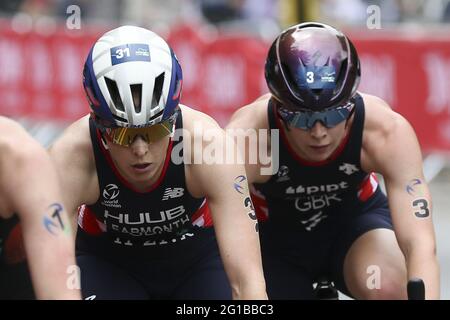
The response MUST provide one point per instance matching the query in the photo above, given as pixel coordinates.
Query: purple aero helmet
(312, 67)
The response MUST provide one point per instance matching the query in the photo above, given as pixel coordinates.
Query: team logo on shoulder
(171, 193)
(283, 174)
(111, 192)
(348, 168)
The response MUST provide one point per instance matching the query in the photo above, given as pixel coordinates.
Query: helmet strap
(350, 115)
(277, 108)
(100, 128)
(104, 142)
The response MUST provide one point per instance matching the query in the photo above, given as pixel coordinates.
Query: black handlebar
(416, 289)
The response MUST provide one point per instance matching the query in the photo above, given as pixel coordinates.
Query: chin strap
(104, 143)
(351, 114)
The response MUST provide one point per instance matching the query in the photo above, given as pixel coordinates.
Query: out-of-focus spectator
(354, 12)
(9, 6)
(104, 11)
(260, 9)
(159, 14)
(411, 11)
(436, 10)
(389, 9)
(337, 12)
(38, 8)
(218, 11)
(256, 17)
(446, 15)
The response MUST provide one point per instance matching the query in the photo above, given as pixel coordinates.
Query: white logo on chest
(283, 174)
(111, 192)
(348, 168)
(171, 193)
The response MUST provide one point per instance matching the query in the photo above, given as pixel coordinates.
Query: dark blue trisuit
(158, 244)
(15, 281)
(314, 212)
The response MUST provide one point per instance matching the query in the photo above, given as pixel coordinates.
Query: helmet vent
(312, 25)
(114, 93)
(317, 92)
(120, 119)
(155, 116)
(136, 93)
(157, 90)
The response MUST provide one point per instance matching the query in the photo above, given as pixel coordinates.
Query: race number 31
(120, 53)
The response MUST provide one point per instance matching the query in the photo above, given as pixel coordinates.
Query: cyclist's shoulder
(195, 119)
(198, 126)
(380, 119)
(385, 132)
(12, 129)
(74, 147)
(15, 140)
(75, 138)
(251, 116)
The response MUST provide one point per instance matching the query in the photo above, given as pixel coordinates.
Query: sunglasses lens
(126, 136)
(329, 118)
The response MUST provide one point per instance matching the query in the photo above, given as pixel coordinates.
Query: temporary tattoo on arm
(53, 220)
(412, 186)
(252, 215)
(240, 184)
(422, 206)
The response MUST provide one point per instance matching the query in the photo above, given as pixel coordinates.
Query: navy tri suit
(15, 281)
(158, 244)
(312, 212)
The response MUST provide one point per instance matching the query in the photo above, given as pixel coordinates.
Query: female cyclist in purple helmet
(325, 213)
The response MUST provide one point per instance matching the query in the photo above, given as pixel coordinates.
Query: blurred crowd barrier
(41, 74)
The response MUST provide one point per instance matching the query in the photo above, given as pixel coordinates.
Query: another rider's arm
(73, 157)
(225, 186)
(392, 149)
(249, 120)
(30, 185)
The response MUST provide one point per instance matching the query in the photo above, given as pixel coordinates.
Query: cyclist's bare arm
(252, 117)
(391, 148)
(29, 187)
(73, 157)
(226, 189)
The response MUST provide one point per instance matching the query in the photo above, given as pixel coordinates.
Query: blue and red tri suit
(158, 244)
(314, 211)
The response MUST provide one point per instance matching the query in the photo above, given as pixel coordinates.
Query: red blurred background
(41, 74)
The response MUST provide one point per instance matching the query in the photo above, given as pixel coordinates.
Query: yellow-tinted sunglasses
(126, 136)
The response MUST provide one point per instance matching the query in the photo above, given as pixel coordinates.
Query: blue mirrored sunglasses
(307, 119)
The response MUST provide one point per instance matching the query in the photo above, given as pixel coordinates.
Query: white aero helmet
(132, 78)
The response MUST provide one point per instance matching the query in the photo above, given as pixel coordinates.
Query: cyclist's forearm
(423, 264)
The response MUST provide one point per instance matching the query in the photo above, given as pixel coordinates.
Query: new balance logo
(348, 168)
(171, 193)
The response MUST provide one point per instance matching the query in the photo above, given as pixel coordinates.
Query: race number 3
(422, 206)
(310, 77)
